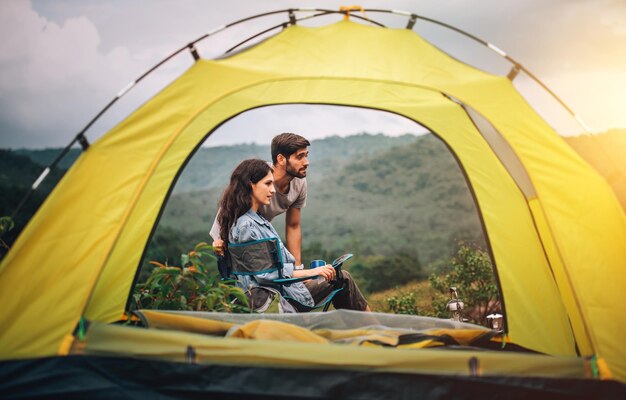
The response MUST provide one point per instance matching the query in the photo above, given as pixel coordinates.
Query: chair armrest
(337, 262)
(289, 281)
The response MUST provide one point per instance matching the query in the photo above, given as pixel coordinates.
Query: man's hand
(218, 247)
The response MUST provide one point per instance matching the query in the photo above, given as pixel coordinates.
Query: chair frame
(272, 263)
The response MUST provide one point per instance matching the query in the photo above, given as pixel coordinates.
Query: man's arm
(293, 233)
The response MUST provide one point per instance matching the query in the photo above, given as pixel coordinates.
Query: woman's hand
(218, 247)
(327, 272)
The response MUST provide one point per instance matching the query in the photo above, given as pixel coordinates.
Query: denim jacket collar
(257, 218)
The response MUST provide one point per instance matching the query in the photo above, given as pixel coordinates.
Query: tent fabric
(559, 255)
(504, 152)
(605, 152)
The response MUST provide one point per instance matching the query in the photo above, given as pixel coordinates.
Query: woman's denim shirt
(251, 226)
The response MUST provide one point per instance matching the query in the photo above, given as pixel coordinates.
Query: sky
(62, 61)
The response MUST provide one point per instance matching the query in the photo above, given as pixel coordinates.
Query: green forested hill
(17, 174)
(21, 171)
(194, 202)
(372, 195)
(44, 157)
(410, 199)
(210, 167)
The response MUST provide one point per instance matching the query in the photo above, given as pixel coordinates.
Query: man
(290, 158)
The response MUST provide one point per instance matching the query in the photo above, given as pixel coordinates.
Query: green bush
(472, 273)
(168, 244)
(377, 273)
(189, 287)
(403, 303)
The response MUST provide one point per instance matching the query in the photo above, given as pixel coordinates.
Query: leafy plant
(403, 303)
(471, 272)
(190, 286)
(422, 293)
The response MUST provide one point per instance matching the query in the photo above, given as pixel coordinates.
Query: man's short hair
(287, 144)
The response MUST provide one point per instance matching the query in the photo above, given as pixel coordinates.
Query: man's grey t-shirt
(294, 198)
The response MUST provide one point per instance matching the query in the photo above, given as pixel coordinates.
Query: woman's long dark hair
(237, 197)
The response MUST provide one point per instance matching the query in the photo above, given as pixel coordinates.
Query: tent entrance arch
(87, 238)
(385, 178)
(434, 110)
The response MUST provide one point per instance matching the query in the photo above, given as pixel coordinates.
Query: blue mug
(317, 263)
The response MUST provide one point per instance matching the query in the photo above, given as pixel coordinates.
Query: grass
(421, 290)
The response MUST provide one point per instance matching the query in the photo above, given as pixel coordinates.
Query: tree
(6, 224)
(472, 273)
(377, 273)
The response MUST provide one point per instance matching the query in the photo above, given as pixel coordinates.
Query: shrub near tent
(192, 286)
(471, 272)
(553, 225)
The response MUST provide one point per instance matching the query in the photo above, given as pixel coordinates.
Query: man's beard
(293, 172)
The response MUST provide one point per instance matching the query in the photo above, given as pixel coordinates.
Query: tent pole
(516, 64)
(292, 17)
(194, 51)
(411, 22)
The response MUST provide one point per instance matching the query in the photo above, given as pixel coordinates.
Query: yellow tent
(605, 152)
(555, 229)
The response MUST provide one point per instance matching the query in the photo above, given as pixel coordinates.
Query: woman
(252, 185)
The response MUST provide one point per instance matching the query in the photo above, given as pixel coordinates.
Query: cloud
(49, 71)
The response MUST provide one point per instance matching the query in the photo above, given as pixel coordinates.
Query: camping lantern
(455, 305)
(495, 321)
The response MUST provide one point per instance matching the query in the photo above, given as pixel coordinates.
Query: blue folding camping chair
(264, 257)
